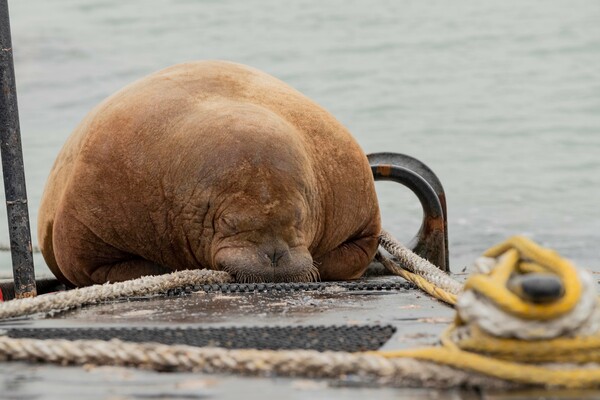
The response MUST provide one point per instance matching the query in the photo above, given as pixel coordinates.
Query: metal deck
(417, 319)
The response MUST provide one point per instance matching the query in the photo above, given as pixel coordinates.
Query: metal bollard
(12, 166)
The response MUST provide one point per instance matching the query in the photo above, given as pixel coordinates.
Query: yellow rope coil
(573, 350)
(493, 286)
(512, 359)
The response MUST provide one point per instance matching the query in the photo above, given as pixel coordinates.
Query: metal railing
(12, 167)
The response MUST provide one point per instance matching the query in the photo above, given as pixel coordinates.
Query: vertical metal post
(12, 166)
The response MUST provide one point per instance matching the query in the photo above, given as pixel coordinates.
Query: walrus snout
(267, 263)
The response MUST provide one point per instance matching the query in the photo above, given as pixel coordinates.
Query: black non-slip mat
(295, 287)
(322, 338)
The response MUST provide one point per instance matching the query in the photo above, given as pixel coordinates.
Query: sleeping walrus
(209, 165)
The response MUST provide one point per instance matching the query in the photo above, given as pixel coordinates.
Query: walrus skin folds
(209, 165)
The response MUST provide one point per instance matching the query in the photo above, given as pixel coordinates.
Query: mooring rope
(469, 356)
(285, 363)
(417, 270)
(407, 260)
(144, 286)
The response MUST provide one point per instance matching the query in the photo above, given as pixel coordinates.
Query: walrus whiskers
(242, 275)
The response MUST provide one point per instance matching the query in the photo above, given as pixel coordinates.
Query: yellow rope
(517, 254)
(574, 350)
(494, 287)
(418, 280)
(516, 372)
(511, 359)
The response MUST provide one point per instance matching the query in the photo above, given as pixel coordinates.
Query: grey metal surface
(12, 166)
(22, 381)
(418, 318)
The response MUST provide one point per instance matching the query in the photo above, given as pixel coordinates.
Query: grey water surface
(500, 98)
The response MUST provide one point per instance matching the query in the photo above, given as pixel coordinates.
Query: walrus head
(264, 226)
(264, 199)
(264, 241)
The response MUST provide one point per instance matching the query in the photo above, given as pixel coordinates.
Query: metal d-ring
(431, 241)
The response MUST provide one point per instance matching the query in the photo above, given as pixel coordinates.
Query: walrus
(214, 165)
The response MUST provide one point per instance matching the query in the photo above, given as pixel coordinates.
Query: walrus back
(55, 187)
(135, 138)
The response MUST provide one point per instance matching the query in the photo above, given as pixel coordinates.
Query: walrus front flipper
(85, 259)
(431, 242)
(126, 270)
(349, 260)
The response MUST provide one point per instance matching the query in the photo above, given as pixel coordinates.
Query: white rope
(418, 265)
(144, 286)
(289, 363)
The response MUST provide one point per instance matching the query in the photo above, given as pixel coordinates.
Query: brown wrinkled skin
(209, 165)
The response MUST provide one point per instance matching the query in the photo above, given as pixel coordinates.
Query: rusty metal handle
(431, 241)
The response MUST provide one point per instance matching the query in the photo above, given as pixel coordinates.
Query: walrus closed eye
(209, 165)
(258, 235)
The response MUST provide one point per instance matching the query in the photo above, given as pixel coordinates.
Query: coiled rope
(483, 339)
(470, 355)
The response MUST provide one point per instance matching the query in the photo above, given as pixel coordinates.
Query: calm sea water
(500, 98)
